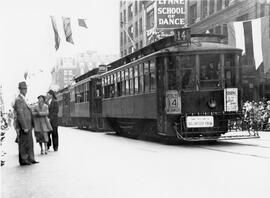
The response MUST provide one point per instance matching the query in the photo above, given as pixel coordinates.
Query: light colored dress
(41, 123)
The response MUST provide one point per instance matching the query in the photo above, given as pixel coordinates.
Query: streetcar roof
(194, 47)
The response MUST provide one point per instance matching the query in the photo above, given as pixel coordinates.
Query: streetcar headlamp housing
(212, 103)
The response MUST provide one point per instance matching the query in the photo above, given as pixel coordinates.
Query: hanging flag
(67, 30)
(82, 23)
(25, 75)
(253, 38)
(56, 35)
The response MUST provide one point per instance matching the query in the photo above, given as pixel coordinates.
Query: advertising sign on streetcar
(173, 102)
(170, 14)
(231, 99)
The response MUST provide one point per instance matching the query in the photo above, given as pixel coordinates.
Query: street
(101, 165)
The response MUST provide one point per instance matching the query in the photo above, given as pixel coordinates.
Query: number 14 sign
(173, 102)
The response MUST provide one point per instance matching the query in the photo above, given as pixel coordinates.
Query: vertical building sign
(170, 14)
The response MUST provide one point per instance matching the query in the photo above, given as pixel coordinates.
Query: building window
(227, 2)
(121, 19)
(204, 8)
(193, 13)
(136, 28)
(141, 44)
(140, 26)
(219, 5)
(140, 5)
(150, 19)
(262, 10)
(121, 38)
(136, 7)
(125, 38)
(125, 16)
(130, 31)
(130, 12)
(212, 7)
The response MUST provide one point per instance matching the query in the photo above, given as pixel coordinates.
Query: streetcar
(185, 87)
(80, 103)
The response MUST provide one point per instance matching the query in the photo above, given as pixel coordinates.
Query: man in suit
(24, 124)
(53, 116)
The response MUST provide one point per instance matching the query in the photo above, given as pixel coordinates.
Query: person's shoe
(46, 152)
(42, 152)
(56, 149)
(34, 162)
(25, 163)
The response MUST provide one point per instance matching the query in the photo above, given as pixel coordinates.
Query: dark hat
(41, 96)
(22, 85)
(52, 93)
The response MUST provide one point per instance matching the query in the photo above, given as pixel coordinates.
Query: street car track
(257, 153)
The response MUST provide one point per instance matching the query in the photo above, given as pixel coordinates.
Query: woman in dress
(42, 124)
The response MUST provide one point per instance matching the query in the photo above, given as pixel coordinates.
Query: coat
(41, 121)
(24, 119)
(53, 113)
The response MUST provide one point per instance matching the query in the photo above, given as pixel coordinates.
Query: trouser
(54, 135)
(26, 148)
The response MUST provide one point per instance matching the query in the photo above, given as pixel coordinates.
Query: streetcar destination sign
(200, 121)
(170, 14)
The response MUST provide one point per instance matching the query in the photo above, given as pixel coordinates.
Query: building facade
(143, 22)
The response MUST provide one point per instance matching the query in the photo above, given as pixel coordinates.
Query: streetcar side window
(230, 70)
(123, 82)
(171, 72)
(146, 77)
(112, 87)
(119, 84)
(136, 79)
(152, 68)
(131, 81)
(141, 79)
(187, 67)
(209, 70)
(127, 81)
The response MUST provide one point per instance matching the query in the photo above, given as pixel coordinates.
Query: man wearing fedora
(24, 125)
(53, 116)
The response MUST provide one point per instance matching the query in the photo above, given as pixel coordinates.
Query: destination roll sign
(170, 14)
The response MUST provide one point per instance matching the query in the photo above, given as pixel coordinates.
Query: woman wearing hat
(42, 124)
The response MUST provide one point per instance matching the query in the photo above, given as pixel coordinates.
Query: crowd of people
(256, 115)
(42, 117)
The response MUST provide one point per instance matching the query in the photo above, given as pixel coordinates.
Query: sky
(27, 39)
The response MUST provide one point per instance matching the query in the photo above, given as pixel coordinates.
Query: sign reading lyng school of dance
(170, 14)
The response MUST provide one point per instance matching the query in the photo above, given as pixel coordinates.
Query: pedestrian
(53, 117)
(42, 124)
(24, 124)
